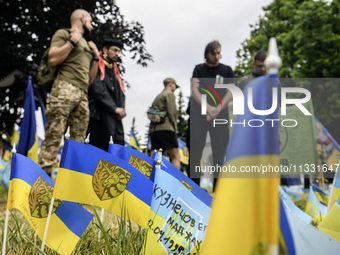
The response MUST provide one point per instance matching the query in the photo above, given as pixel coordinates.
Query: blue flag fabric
(196, 190)
(291, 207)
(137, 159)
(28, 142)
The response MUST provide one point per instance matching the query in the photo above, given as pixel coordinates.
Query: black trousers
(219, 136)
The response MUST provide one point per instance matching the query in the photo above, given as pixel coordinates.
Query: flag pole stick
(8, 201)
(101, 219)
(273, 63)
(5, 232)
(47, 224)
(160, 153)
(87, 139)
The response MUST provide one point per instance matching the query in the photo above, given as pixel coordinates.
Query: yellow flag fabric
(335, 195)
(331, 223)
(245, 210)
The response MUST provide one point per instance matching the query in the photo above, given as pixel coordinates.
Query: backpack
(156, 115)
(46, 73)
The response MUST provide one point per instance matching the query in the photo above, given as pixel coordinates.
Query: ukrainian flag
(28, 142)
(183, 151)
(30, 191)
(89, 175)
(245, 211)
(321, 194)
(335, 194)
(178, 219)
(133, 140)
(137, 159)
(315, 208)
(331, 223)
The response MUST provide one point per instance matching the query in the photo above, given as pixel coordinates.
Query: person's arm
(58, 54)
(99, 92)
(214, 112)
(172, 109)
(94, 63)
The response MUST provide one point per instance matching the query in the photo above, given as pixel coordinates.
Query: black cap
(110, 42)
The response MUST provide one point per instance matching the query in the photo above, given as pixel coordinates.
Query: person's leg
(175, 157)
(219, 142)
(198, 134)
(79, 117)
(57, 112)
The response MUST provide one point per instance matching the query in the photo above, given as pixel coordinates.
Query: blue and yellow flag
(178, 219)
(328, 146)
(183, 151)
(137, 159)
(30, 191)
(133, 140)
(331, 223)
(315, 208)
(245, 210)
(321, 194)
(4, 173)
(28, 142)
(89, 175)
(335, 194)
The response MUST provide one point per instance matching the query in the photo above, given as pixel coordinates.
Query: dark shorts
(163, 140)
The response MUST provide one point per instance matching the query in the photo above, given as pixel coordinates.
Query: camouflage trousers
(68, 106)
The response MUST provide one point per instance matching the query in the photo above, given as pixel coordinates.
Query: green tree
(26, 30)
(308, 37)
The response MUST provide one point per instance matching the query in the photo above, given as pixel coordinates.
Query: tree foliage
(26, 29)
(308, 37)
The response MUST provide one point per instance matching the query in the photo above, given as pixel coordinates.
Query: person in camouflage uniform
(67, 104)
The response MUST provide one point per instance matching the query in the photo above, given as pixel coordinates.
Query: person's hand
(75, 35)
(120, 113)
(94, 48)
(212, 113)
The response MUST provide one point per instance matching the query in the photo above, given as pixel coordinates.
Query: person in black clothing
(204, 78)
(107, 99)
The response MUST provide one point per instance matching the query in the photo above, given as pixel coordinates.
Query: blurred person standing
(163, 135)
(107, 99)
(259, 69)
(211, 72)
(67, 104)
